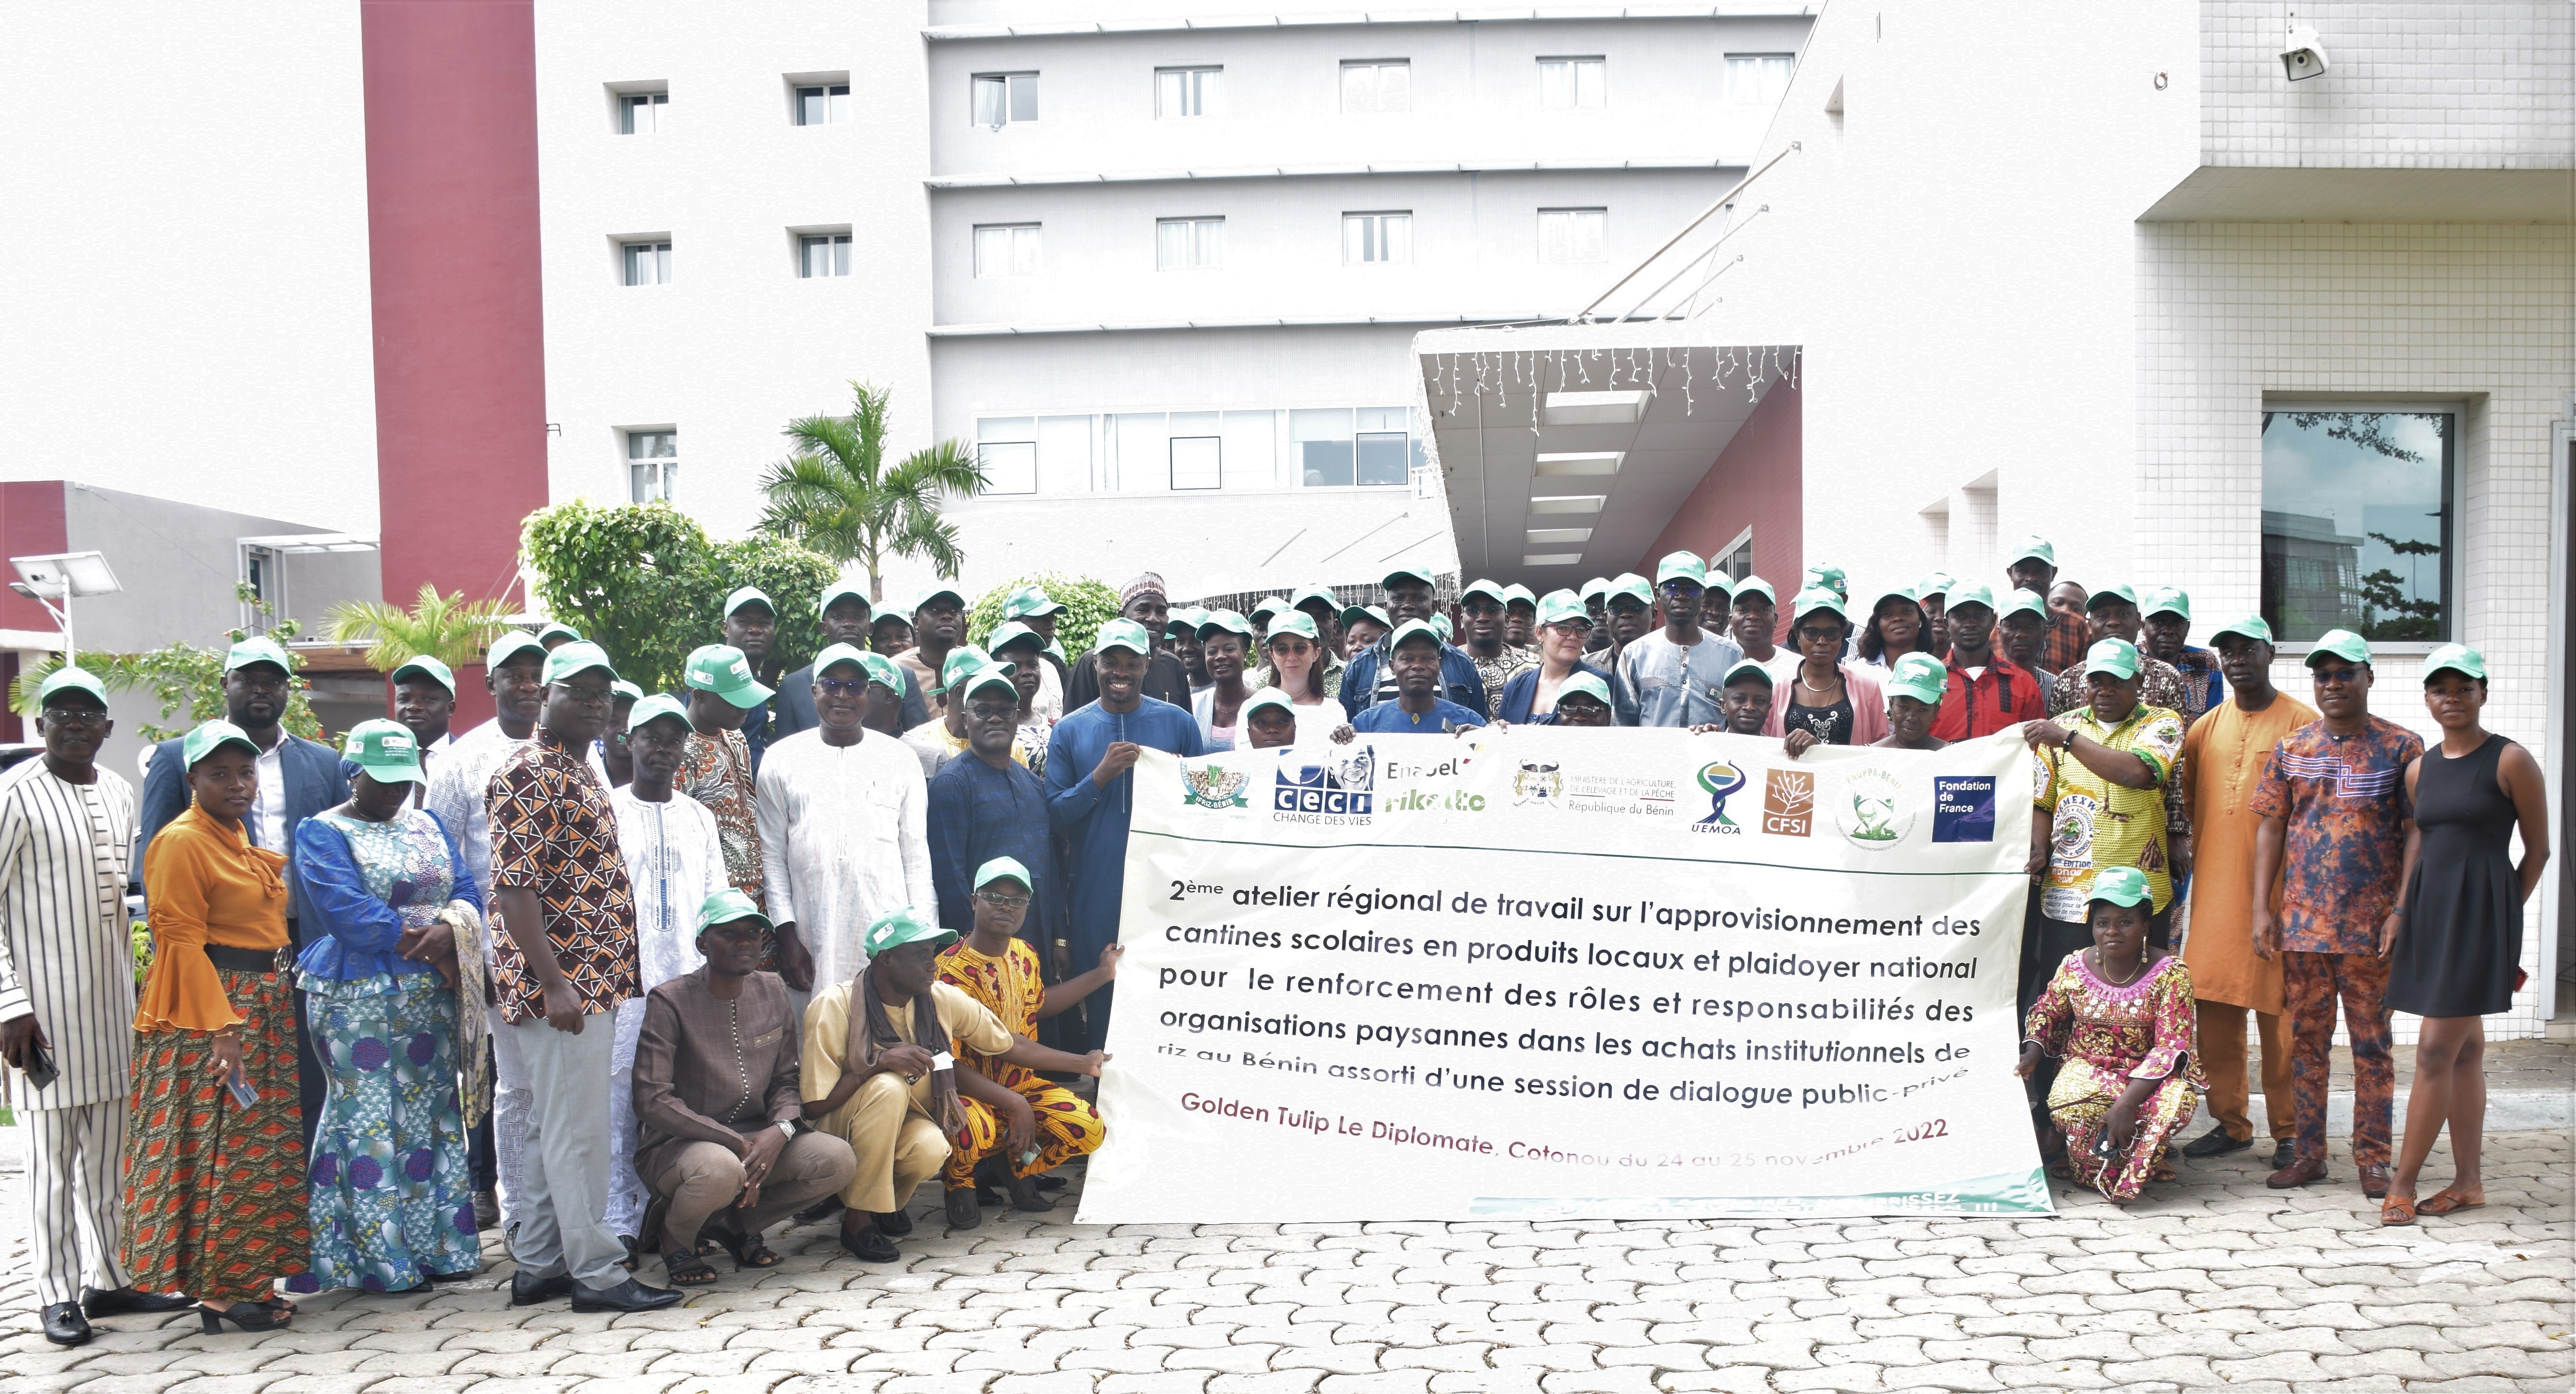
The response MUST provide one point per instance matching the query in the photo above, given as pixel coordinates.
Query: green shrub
(1088, 604)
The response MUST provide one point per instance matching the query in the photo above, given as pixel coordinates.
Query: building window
(1009, 250)
(824, 254)
(1758, 79)
(1189, 244)
(1377, 85)
(1197, 461)
(2357, 509)
(1567, 236)
(1186, 92)
(826, 104)
(1007, 448)
(648, 263)
(1735, 561)
(653, 466)
(1374, 237)
(1002, 98)
(1573, 84)
(642, 113)
(1337, 447)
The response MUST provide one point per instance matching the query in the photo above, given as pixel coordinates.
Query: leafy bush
(1088, 604)
(188, 680)
(644, 583)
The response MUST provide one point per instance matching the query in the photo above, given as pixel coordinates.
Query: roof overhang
(2261, 194)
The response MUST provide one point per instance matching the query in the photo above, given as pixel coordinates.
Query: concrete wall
(188, 258)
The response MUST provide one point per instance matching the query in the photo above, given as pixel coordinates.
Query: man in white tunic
(668, 842)
(67, 995)
(843, 822)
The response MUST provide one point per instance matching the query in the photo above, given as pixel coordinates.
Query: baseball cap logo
(396, 744)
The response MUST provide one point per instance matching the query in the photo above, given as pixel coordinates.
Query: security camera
(2302, 56)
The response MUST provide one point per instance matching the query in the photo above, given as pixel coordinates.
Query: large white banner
(1570, 973)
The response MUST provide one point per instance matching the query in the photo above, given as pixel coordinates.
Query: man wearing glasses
(297, 779)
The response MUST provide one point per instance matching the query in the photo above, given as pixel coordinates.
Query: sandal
(2447, 1201)
(963, 1211)
(2397, 1210)
(684, 1269)
(748, 1250)
(249, 1316)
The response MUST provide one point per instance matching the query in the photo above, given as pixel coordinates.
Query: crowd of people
(636, 977)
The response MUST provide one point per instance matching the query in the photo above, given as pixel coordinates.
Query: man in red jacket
(1988, 692)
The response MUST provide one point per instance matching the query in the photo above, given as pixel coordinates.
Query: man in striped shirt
(67, 998)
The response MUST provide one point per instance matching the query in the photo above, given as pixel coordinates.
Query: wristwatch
(787, 1128)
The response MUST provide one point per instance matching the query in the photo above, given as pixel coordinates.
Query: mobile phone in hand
(41, 1070)
(243, 1094)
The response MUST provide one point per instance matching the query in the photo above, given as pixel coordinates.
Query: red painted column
(456, 276)
(31, 525)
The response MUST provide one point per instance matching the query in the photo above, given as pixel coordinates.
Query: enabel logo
(1789, 803)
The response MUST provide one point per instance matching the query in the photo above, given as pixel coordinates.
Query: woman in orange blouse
(214, 1182)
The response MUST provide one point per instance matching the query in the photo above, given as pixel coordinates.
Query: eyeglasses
(1809, 634)
(57, 716)
(1000, 901)
(841, 687)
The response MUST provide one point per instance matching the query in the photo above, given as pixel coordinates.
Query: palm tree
(835, 495)
(445, 627)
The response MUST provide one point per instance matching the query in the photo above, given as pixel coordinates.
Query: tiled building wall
(2475, 313)
(2414, 84)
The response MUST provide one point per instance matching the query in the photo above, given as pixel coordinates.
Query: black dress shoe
(819, 1211)
(527, 1289)
(111, 1302)
(870, 1245)
(65, 1326)
(2215, 1143)
(2284, 1152)
(627, 1296)
(487, 1211)
(963, 1212)
(896, 1222)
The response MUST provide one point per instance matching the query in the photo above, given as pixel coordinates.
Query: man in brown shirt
(715, 1091)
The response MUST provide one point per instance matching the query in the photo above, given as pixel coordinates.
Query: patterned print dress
(388, 1194)
(1011, 989)
(2109, 1036)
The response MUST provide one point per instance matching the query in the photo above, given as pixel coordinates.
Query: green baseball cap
(1634, 586)
(1558, 606)
(1970, 593)
(656, 707)
(932, 592)
(1002, 869)
(73, 678)
(627, 690)
(1588, 684)
(1307, 595)
(1748, 668)
(723, 670)
(986, 676)
(211, 736)
(2022, 602)
(2251, 626)
(2117, 657)
(430, 668)
(1270, 605)
(2340, 643)
(1683, 566)
(744, 595)
(1185, 620)
(1920, 676)
(1755, 585)
(1518, 594)
(1027, 601)
(1010, 632)
(1491, 590)
(1440, 625)
(1598, 585)
(1828, 576)
(509, 646)
(1937, 583)
(1266, 697)
(1296, 622)
(882, 671)
(1124, 634)
(1716, 579)
(580, 656)
(2120, 885)
(2117, 590)
(2457, 658)
(961, 664)
(256, 648)
(1813, 599)
(834, 655)
(1413, 629)
(2167, 600)
(727, 906)
(1896, 591)
(2033, 547)
(555, 627)
(1408, 573)
(844, 590)
(896, 928)
(1374, 614)
(386, 750)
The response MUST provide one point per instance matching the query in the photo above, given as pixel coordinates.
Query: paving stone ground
(2212, 1282)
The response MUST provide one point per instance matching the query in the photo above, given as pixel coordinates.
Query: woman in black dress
(2458, 944)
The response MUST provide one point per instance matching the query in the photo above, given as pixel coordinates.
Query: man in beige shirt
(874, 1081)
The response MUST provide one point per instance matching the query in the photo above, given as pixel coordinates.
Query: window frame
(837, 240)
(835, 93)
(665, 467)
(656, 99)
(1184, 70)
(1540, 251)
(1575, 61)
(1193, 222)
(2454, 496)
(1726, 73)
(975, 249)
(1007, 80)
(659, 245)
(1379, 217)
(1342, 86)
